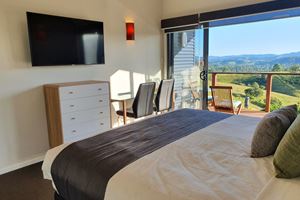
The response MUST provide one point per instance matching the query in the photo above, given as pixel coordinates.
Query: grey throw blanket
(82, 170)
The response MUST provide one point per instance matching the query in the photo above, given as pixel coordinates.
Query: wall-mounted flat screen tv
(64, 41)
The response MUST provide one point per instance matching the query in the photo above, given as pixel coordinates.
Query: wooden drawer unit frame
(81, 96)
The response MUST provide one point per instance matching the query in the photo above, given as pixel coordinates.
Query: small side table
(123, 100)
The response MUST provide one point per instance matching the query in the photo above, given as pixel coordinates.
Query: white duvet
(212, 164)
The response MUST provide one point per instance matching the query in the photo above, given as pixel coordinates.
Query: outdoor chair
(223, 100)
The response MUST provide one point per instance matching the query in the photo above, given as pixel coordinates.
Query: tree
(295, 68)
(275, 104)
(254, 91)
(255, 85)
(226, 69)
(277, 68)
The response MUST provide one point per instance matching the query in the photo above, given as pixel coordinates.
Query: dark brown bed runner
(82, 170)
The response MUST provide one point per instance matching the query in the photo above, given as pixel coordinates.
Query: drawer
(86, 103)
(79, 137)
(86, 115)
(80, 131)
(79, 91)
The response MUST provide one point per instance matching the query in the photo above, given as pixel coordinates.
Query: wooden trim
(221, 87)
(269, 92)
(58, 85)
(53, 111)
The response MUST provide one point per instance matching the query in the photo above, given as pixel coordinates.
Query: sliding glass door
(187, 64)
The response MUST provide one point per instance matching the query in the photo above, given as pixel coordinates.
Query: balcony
(275, 89)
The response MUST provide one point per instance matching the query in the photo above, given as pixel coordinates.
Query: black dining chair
(143, 102)
(164, 97)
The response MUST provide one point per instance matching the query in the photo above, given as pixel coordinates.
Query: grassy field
(239, 93)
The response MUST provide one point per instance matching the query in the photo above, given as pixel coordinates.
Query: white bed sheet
(281, 189)
(211, 164)
(49, 158)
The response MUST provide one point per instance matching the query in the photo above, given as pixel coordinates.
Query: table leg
(124, 112)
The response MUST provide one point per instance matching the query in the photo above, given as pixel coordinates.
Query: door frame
(170, 62)
(205, 68)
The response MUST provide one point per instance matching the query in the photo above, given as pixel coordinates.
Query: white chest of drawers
(76, 111)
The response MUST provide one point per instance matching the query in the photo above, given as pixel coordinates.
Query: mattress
(212, 163)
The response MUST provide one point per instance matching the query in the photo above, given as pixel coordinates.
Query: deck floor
(260, 114)
(248, 113)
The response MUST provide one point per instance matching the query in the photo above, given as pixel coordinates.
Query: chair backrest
(164, 97)
(222, 97)
(143, 101)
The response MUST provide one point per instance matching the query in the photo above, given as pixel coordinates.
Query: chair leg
(239, 109)
(118, 119)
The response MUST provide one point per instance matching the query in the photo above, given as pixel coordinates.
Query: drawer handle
(101, 124)
(100, 89)
(73, 118)
(72, 106)
(101, 112)
(74, 131)
(100, 101)
(71, 92)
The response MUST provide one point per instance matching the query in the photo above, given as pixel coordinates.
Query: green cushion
(287, 155)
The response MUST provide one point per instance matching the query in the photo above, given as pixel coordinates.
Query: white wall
(175, 8)
(23, 129)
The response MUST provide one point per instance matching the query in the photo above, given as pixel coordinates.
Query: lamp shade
(130, 32)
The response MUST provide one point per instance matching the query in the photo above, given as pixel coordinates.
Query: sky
(269, 37)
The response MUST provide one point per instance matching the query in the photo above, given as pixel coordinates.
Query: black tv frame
(32, 48)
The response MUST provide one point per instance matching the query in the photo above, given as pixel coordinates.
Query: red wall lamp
(130, 31)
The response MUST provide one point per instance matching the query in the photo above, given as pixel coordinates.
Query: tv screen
(64, 41)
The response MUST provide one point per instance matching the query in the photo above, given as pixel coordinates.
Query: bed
(197, 155)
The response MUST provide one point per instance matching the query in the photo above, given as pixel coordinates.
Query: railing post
(214, 79)
(269, 92)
